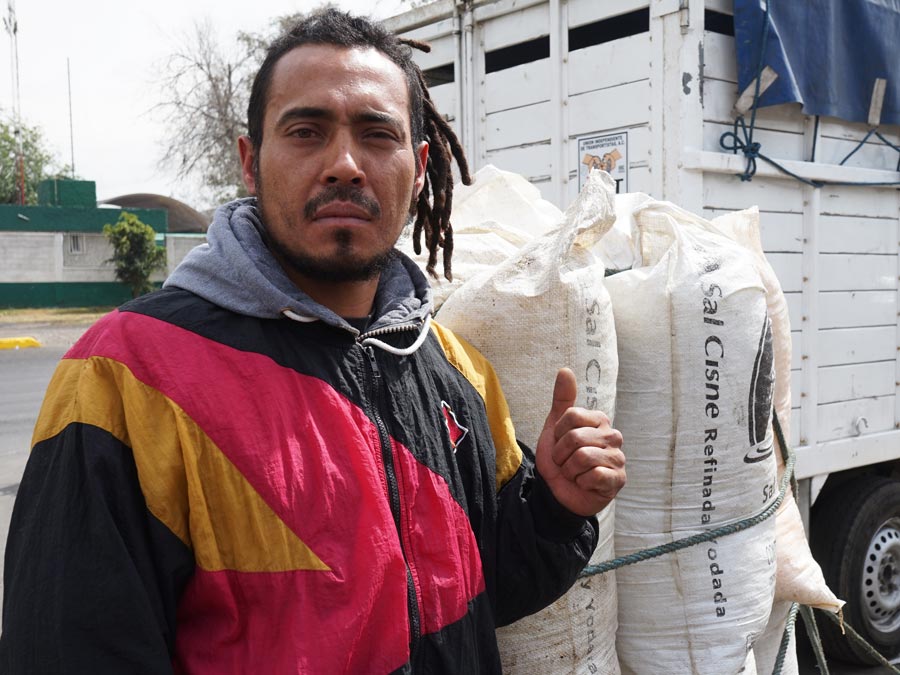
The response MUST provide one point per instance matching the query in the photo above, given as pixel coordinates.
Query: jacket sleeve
(539, 546)
(91, 577)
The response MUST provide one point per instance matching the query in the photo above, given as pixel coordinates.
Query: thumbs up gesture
(579, 455)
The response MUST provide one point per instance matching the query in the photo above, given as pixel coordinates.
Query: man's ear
(421, 163)
(247, 151)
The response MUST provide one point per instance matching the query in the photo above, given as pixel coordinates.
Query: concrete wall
(74, 256)
(70, 268)
(30, 256)
(178, 246)
(84, 258)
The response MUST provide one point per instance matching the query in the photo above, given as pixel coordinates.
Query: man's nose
(344, 165)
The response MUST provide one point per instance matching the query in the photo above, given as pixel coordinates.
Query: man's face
(336, 174)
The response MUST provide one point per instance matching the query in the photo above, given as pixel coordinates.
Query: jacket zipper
(388, 330)
(393, 489)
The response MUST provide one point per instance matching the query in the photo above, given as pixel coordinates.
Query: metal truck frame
(537, 86)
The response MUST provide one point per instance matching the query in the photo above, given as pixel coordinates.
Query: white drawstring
(298, 317)
(423, 335)
(408, 350)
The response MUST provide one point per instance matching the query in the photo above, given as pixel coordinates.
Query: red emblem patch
(454, 428)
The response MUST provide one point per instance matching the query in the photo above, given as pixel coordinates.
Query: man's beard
(344, 266)
(341, 267)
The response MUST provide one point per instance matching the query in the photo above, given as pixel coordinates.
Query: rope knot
(741, 138)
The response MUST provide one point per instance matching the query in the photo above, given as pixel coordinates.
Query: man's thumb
(565, 390)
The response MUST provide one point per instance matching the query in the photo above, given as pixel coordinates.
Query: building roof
(182, 218)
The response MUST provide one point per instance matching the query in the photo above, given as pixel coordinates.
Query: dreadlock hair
(330, 26)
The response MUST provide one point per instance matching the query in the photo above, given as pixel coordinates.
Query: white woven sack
(693, 404)
(544, 308)
(505, 198)
(492, 219)
(765, 649)
(618, 248)
(798, 577)
(574, 635)
(475, 250)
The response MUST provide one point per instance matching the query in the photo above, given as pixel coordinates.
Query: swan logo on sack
(762, 385)
(456, 431)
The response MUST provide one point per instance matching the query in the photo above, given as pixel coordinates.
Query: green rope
(752, 150)
(877, 134)
(709, 535)
(785, 452)
(812, 630)
(786, 639)
(857, 638)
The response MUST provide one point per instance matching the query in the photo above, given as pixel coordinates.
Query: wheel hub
(881, 578)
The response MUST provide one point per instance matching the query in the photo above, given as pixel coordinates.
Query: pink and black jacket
(216, 488)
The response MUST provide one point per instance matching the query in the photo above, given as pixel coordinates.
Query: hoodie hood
(235, 270)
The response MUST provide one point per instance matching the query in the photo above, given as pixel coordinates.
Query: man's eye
(303, 133)
(381, 134)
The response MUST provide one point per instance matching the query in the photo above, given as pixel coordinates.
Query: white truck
(645, 89)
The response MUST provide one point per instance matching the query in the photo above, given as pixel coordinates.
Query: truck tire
(855, 536)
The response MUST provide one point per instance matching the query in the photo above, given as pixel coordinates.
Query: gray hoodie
(236, 270)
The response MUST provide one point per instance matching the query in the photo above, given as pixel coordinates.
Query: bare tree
(205, 90)
(204, 106)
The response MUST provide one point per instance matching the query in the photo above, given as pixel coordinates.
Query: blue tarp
(827, 53)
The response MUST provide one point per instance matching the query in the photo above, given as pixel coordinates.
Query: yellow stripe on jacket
(187, 482)
(479, 372)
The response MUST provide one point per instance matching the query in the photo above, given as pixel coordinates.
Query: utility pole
(12, 28)
(71, 127)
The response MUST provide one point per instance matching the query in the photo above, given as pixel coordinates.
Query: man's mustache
(341, 193)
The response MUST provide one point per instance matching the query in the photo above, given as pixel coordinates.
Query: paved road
(24, 375)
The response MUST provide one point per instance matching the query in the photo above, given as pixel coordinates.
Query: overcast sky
(115, 49)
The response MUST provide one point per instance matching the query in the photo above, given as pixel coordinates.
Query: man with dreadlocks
(278, 463)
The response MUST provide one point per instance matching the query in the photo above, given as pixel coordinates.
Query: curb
(18, 342)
